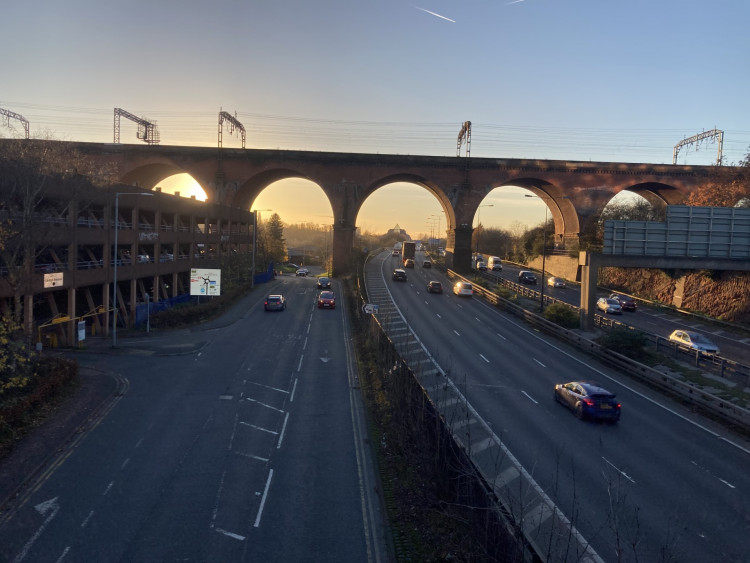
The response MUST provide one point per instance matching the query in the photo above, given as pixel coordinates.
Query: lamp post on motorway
(544, 241)
(114, 274)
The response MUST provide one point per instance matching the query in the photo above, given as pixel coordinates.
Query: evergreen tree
(275, 237)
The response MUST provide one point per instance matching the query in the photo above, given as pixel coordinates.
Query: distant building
(398, 231)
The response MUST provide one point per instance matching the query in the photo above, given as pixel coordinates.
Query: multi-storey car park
(64, 249)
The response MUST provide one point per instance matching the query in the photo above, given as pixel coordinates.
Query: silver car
(609, 305)
(694, 341)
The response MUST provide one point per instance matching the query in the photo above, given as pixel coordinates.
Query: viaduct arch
(575, 192)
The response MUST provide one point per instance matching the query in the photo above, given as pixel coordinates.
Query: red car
(326, 300)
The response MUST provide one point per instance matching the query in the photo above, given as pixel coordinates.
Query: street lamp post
(479, 221)
(114, 274)
(544, 243)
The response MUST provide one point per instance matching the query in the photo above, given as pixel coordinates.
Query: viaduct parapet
(575, 192)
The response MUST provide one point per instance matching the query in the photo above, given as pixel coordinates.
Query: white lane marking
(251, 456)
(501, 336)
(530, 397)
(283, 429)
(215, 511)
(231, 535)
(86, 521)
(260, 428)
(485, 359)
(540, 363)
(264, 405)
(263, 500)
(457, 334)
(304, 345)
(64, 553)
(299, 366)
(43, 508)
(111, 483)
(426, 302)
(139, 443)
(269, 387)
(477, 319)
(125, 463)
(294, 388)
(619, 470)
(727, 483)
(438, 316)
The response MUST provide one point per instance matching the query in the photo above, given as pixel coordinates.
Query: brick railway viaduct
(575, 192)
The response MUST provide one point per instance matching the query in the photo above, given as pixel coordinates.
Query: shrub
(562, 315)
(625, 341)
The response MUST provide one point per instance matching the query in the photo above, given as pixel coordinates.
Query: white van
(495, 264)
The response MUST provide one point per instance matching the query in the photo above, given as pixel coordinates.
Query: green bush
(628, 342)
(562, 315)
(21, 407)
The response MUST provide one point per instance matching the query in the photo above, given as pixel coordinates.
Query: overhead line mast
(233, 124)
(12, 115)
(696, 139)
(147, 130)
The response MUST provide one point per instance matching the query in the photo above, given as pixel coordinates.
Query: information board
(205, 281)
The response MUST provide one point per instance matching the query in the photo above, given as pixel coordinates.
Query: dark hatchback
(527, 277)
(274, 303)
(588, 400)
(399, 274)
(626, 303)
(434, 287)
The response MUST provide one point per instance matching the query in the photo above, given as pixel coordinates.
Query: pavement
(168, 342)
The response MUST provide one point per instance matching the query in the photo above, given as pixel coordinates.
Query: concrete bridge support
(458, 249)
(343, 241)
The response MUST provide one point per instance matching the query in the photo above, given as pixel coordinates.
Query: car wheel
(579, 411)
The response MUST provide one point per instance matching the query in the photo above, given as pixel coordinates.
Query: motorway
(652, 319)
(252, 447)
(661, 485)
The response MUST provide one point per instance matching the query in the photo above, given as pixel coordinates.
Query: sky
(585, 80)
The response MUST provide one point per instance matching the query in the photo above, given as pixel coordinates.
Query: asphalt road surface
(243, 441)
(661, 485)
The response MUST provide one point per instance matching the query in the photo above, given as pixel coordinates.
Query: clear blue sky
(580, 80)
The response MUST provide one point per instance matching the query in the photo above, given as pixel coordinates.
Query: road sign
(53, 280)
(205, 281)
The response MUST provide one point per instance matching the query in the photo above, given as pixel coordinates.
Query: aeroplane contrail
(515, 2)
(436, 15)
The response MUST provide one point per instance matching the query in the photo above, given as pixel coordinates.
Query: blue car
(588, 400)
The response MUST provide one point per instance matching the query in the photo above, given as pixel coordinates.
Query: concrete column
(72, 325)
(343, 241)
(589, 265)
(458, 249)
